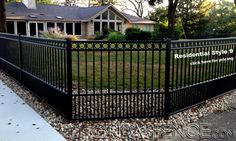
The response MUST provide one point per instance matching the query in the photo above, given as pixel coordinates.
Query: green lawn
(127, 69)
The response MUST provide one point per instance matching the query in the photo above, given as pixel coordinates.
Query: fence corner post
(69, 76)
(20, 57)
(167, 80)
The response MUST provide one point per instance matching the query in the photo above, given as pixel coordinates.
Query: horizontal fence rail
(106, 80)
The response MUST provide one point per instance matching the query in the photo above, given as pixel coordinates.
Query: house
(29, 18)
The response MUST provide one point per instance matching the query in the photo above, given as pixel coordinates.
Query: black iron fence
(200, 70)
(118, 79)
(105, 80)
(41, 65)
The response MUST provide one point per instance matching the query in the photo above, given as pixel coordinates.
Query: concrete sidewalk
(19, 122)
(219, 126)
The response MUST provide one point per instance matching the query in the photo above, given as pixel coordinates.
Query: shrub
(105, 32)
(115, 36)
(178, 33)
(98, 36)
(73, 38)
(145, 35)
(132, 33)
(161, 32)
(53, 33)
(137, 34)
(57, 34)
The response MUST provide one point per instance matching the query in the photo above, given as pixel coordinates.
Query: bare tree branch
(135, 6)
(129, 9)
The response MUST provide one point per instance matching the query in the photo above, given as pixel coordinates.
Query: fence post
(167, 80)
(69, 76)
(20, 57)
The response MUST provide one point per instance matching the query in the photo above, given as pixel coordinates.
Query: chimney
(30, 4)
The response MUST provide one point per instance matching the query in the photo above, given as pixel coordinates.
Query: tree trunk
(171, 18)
(171, 23)
(2, 16)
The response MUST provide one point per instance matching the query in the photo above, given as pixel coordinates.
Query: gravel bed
(118, 129)
(112, 105)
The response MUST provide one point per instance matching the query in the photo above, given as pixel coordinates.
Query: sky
(81, 3)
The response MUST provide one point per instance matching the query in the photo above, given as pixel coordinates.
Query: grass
(125, 71)
(129, 76)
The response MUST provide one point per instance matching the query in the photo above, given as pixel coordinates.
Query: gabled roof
(114, 9)
(138, 20)
(17, 10)
(49, 12)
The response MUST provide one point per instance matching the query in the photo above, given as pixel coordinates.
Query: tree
(70, 2)
(2, 16)
(46, 2)
(7, 1)
(159, 15)
(192, 15)
(135, 6)
(89, 2)
(105, 2)
(161, 26)
(171, 15)
(38, 1)
(222, 21)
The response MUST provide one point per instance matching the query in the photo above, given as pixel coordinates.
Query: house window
(98, 17)
(119, 27)
(135, 25)
(10, 27)
(69, 28)
(112, 26)
(112, 16)
(146, 28)
(105, 15)
(96, 27)
(149, 28)
(60, 26)
(40, 28)
(104, 26)
(77, 28)
(118, 18)
(32, 29)
(107, 21)
(21, 28)
(50, 25)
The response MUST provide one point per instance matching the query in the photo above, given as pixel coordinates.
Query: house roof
(49, 12)
(138, 20)
(17, 10)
